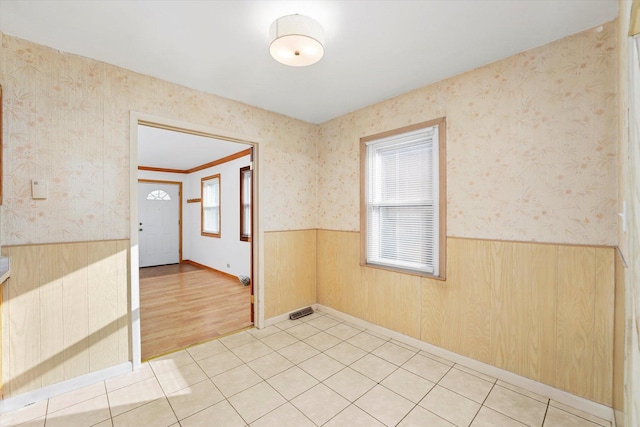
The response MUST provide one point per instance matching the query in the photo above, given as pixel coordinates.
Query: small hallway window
(210, 188)
(245, 204)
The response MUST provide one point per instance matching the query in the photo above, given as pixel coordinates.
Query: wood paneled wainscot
(65, 312)
(543, 311)
(289, 271)
(1, 378)
(5, 272)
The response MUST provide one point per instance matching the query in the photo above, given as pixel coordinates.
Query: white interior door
(159, 223)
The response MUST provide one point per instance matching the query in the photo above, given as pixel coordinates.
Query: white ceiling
(161, 148)
(374, 49)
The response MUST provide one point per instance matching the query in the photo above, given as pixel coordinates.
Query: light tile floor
(314, 371)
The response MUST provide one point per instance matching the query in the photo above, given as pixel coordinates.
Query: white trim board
(53, 390)
(588, 406)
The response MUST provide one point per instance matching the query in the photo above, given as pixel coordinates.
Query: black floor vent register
(301, 313)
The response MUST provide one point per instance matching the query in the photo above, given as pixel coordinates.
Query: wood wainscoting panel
(356, 295)
(372, 294)
(474, 268)
(123, 261)
(51, 319)
(434, 308)
(1, 337)
(543, 311)
(289, 271)
(75, 314)
(343, 289)
(540, 327)
(619, 335)
(66, 310)
(452, 297)
(604, 308)
(367, 276)
(523, 308)
(380, 296)
(575, 318)
(461, 300)
(103, 304)
(394, 300)
(330, 248)
(22, 318)
(407, 296)
(504, 319)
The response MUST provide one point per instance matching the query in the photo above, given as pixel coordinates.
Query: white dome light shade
(296, 40)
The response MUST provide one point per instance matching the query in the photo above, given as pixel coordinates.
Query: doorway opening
(196, 279)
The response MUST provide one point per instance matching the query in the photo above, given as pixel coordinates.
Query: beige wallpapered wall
(67, 121)
(531, 145)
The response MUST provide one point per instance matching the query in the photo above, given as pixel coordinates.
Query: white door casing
(159, 223)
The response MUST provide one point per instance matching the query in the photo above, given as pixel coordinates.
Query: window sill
(404, 271)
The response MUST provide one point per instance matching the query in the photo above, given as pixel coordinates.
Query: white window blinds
(402, 183)
(211, 205)
(245, 203)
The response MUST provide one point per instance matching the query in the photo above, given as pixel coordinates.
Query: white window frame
(430, 253)
(210, 204)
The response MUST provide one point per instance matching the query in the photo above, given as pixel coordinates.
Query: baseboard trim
(618, 418)
(206, 267)
(593, 408)
(53, 390)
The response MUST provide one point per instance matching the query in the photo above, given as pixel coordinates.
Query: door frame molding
(257, 251)
(179, 184)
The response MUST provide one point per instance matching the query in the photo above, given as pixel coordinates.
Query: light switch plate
(38, 189)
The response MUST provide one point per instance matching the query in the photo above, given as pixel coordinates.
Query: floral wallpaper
(531, 145)
(66, 120)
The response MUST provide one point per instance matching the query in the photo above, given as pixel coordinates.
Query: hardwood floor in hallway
(182, 305)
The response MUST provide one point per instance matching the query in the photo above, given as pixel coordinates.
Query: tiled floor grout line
(166, 397)
(106, 393)
(407, 414)
(226, 398)
(415, 405)
(46, 413)
(264, 380)
(374, 348)
(344, 367)
(484, 400)
(546, 410)
(371, 352)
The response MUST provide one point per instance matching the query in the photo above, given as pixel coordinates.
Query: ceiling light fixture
(296, 40)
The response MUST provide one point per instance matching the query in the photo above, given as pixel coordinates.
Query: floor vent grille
(301, 313)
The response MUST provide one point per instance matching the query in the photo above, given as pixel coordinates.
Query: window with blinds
(210, 221)
(402, 200)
